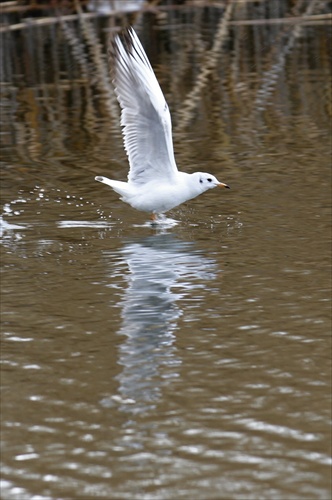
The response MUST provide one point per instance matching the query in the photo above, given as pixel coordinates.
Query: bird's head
(207, 181)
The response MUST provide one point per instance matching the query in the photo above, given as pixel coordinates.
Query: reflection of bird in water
(154, 183)
(150, 313)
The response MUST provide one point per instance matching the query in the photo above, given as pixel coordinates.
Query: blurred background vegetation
(238, 63)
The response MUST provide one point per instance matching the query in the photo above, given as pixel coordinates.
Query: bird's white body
(154, 183)
(157, 197)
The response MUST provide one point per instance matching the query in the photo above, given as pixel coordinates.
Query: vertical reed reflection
(217, 66)
(278, 58)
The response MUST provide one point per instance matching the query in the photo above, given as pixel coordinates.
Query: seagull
(155, 185)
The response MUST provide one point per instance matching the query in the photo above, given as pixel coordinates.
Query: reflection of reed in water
(226, 64)
(101, 77)
(210, 62)
(277, 60)
(150, 311)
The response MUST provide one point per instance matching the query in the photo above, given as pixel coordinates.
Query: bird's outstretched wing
(145, 117)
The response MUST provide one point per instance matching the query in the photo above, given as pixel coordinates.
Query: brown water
(184, 362)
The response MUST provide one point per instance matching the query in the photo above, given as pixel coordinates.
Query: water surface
(189, 361)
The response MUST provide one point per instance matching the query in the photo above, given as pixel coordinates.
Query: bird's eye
(209, 179)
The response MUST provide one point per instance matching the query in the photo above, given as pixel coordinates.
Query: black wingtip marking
(126, 38)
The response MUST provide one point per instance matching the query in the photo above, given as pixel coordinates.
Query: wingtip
(118, 41)
(125, 37)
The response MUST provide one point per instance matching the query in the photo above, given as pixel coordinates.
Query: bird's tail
(120, 187)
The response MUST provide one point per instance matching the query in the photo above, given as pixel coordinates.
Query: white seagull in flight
(154, 183)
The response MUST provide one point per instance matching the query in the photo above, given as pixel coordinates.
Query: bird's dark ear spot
(201, 180)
